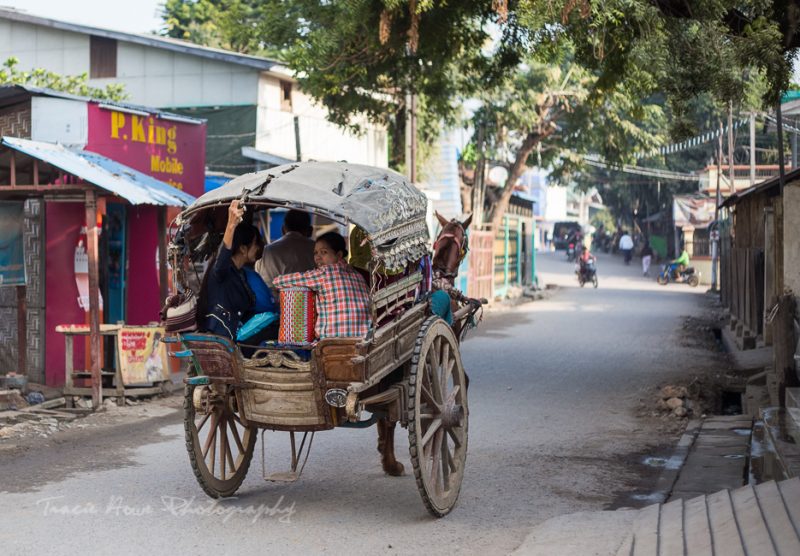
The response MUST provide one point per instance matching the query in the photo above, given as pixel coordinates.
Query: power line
(594, 160)
(786, 127)
(698, 140)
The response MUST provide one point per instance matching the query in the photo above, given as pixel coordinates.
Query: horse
(449, 250)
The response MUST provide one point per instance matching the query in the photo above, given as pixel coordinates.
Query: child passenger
(342, 294)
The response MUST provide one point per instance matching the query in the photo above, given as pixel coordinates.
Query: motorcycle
(570, 252)
(686, 276)
(587, 274)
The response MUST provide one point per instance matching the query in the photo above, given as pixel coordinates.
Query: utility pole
(411, 137)
(730, 149)
(782, 176)
(298, 152)
(714, 227)
(752, 149)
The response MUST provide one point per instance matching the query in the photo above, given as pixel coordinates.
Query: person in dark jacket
(647, 256)
(226, 299)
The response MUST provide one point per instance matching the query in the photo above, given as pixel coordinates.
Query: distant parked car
(562, 231)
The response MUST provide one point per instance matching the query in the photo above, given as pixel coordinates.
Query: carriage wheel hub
(452, 414)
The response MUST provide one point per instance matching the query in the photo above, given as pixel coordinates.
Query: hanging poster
(12, 255)
(142, 354)
(82, 273)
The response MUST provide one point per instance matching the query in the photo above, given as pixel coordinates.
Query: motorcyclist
(585, 258)
(679, 265)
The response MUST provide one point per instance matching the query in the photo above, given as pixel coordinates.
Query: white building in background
(253, 105)
(550, 202)
(439, 177)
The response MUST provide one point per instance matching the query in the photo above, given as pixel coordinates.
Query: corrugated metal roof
(116, 178)
(165, 43)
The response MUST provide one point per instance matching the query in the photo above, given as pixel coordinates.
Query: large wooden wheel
(438, 416)
(220, 447)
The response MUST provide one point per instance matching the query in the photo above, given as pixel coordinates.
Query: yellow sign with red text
(142, 354)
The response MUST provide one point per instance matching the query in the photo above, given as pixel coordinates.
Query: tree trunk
(466, 192)
(525, 150)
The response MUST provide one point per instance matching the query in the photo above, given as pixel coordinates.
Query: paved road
(553, 429)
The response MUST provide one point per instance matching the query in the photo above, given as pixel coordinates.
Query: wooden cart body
(281, 389)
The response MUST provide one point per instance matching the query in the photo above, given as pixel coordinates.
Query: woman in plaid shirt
(342, 294)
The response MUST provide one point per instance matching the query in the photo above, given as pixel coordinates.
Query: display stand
(118, 387)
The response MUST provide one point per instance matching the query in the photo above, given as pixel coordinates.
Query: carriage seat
(212, 355)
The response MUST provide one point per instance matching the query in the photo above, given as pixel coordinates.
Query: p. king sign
(171, 150)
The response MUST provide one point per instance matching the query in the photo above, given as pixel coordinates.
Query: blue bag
(256, 324)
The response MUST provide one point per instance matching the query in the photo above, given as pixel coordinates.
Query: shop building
(126, 170)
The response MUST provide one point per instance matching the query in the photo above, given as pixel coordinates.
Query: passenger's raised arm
(235, 213)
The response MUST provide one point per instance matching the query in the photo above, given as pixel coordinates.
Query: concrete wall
(791, 237)
(319, 138)
(58, 120)
(152, 76)
(703, 266)
(41, 47)
(156, 77)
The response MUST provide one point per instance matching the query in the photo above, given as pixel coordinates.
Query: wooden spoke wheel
(438, 416)
(220, 447)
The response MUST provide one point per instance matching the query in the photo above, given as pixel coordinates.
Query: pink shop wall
(63, 223)
(142, 272)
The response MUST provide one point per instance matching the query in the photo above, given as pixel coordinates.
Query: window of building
(102, 57)
(286, 96)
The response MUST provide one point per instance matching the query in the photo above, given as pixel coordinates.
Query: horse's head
(450, 247)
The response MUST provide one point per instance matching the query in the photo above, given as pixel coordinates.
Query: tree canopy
(365, 56)
(637, 73)
(680, 49)
(552, 115)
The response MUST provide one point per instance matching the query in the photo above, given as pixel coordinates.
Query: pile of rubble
(20, 419)
(675, 401)
(34, 416)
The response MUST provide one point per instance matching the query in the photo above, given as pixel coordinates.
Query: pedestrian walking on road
(626, 246)
(647, 257)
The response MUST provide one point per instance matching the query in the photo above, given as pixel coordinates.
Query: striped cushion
(298, 316)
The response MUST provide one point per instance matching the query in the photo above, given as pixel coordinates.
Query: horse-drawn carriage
(407, 370)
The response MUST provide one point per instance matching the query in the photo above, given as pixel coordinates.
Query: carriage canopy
(381, 202)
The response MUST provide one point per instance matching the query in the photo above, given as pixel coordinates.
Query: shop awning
(123, 181)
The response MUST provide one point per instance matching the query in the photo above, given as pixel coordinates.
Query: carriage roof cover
(382, 202)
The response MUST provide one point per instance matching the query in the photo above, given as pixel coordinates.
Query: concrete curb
(672, 470)
(597, 533)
